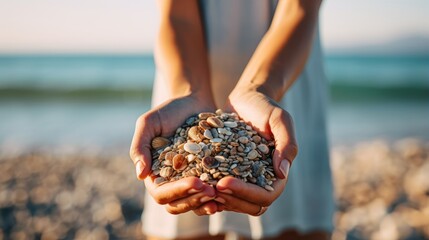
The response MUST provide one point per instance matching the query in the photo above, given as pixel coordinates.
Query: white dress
(233, 29)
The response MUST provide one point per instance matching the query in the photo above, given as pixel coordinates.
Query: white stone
(191, 147)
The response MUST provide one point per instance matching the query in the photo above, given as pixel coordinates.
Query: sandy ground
(382, 192)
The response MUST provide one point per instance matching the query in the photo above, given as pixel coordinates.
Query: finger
(191, 202)
(235, 204)
(220, 207)
(172, 191)
(208, 208)
(250, 192)
(286, 148)
(140, 151)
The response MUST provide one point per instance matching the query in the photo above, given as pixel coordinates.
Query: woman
(242, 56)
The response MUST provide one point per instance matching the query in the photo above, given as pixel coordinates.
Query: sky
(129, 26)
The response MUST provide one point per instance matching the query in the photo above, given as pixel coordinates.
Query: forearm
(181, 54)
(283, 51)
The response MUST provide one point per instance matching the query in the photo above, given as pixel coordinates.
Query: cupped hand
(273, 123)
(182, 195)
(187, 194)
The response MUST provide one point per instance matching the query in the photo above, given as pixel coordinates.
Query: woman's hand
(273, 123)
(188, 193)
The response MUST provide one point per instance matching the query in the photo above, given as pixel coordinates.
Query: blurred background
(75, 75)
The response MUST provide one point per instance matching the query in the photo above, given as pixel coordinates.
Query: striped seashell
(215, 122)
(159, 142)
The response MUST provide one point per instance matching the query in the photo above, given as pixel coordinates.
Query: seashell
(252, 155)
(179, 162)
(191, 147)
(205, 115)
(161, 156)
(190, 157)
(243, 140)
(194, 134)
(193, 172)
(219, 111)
(166, 172)
(256, 139)
(168, 162)
(181, 146)
(169, 156)
(208, 134)
(233, 166)
(205, 177)
(263, 148)
(230, 124)
(269, 188)
(220, 158)
(210, 162)
(159, 142)
(204, 125)
(216, 175)
(215, 122)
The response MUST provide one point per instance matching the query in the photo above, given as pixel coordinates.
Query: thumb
(286, 148)
(228, 106)
(140, 150)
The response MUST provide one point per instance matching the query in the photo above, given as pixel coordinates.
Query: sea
(92, 101)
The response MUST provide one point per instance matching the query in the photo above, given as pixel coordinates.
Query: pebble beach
(381, 188)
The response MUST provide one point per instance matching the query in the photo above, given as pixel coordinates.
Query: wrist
(265, 87)
(204, 99)
(198, 92)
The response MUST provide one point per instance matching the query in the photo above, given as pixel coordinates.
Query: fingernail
(205, 199)
(192, 191)
(227, 191)
(284, 167)
(139, 168)
(220, 200)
